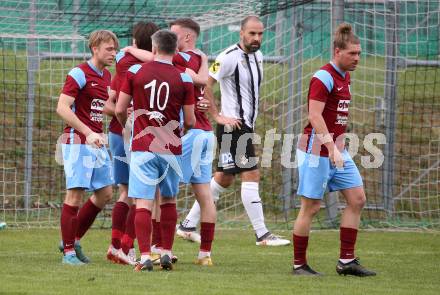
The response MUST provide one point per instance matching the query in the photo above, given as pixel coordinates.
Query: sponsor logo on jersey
(97, 104)
(158, 116)
(341, 120)
(343, 105)
(215, 67)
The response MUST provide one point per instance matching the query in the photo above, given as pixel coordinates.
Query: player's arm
(213, 109)
(189, 118)
(122, 106)
(109, 106)
(142, 55)
(319, 91)
(201, 77)
(64, 110)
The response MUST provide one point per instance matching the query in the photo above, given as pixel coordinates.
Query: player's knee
(312, 208)
(358, 203)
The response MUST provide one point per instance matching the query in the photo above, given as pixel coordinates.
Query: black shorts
(237, 153)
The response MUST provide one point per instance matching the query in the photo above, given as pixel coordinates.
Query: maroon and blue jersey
(193, 61)
(124, 61)
(331, 86)
(159, 91)
(89, 86)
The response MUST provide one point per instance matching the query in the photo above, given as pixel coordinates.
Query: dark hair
(249, 18)
(188, 24)
(165, 41)
(142, 33)
(344, 35)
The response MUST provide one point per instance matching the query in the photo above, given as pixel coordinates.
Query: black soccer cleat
(166, 262)
(353, 268)
(305, 270)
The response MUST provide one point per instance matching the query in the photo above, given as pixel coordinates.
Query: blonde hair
(99, 36)
(343, 35)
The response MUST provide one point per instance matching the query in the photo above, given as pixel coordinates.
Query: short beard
(252, 49)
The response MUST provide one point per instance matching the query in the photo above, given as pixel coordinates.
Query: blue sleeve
(134, 68)
(325, 78)
(185, 56)
(186, 78)
(78, 75)
(119, 56)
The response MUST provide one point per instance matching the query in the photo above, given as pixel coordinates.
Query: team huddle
(160, 136)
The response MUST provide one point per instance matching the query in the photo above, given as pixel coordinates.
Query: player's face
(182, 35)
(105, 53)
(252, 36)
(347, 59)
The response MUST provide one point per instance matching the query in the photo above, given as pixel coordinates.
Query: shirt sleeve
(75, 81)
(222, 67)
(127, 84)
(189, 89)
(320, 86)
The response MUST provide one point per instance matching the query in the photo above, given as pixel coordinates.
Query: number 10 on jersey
(153, 97)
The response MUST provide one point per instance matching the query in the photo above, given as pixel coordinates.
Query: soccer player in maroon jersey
(159, 91)
(87, 163)
(199, 142)
(121, 249)
(323, 160)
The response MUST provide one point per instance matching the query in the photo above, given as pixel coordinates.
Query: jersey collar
(95, 68)
(341, 72)
(163, 61)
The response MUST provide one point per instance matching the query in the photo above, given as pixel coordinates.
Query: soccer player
(198, 143)
(324, 162)
(87, 163)
(239, 71)
(121, 249)
(159, 91)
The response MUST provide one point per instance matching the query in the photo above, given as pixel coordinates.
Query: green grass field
(406, 262)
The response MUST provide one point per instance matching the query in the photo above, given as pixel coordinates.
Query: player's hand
(336, 158)
(129, 111)
(231, 123)
(96, 140)
(203, 105)
(191, 73)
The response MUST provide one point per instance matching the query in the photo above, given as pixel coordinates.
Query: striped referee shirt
(239, 75)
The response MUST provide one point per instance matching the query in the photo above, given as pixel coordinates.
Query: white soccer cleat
(270, 239)
(129, 258)
(189, 234)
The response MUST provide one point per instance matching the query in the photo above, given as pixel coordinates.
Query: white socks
(203, 254)
(193, 217)
(254, 208)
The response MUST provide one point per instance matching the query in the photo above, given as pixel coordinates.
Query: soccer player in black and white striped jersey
(239, 71)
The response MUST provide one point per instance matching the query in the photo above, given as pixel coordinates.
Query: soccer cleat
(166, 263)
(146, 266)
(112, 254)
(205, 261)
(125, 259)
(72, 260)
(353, 268)
(270, 239)
(188, 233)
(78, 250)
(305, 270)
